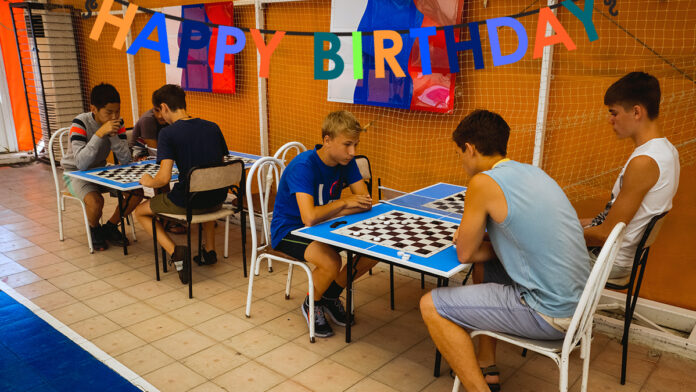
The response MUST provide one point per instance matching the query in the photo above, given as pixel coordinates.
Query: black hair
(485, 130)
(103, 94)
(635, 88)
(171, 94)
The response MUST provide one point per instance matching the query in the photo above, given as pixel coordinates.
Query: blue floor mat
(35, 357)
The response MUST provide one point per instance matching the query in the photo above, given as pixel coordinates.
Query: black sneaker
(98, 242)
(112, 234)
(178, 257)
(207, 258)
(335, 310)
(322, 329)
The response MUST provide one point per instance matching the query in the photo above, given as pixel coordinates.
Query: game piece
(405, 257)
(130, 174)
(407, 233)
(453, 203)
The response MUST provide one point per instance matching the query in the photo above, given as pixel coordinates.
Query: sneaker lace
(319, 315)
(338, 305)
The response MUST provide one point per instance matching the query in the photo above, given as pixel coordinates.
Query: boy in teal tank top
(528, 249)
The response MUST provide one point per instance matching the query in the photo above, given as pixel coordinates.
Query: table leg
(438, 357)
(121, 210)
(349, 295)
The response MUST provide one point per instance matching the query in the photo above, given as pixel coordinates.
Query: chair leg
(154, 247)
(391, 286)
(60, 221)
(164, 260)
(252, 266)
(132, 227)
(242, 216)
(563, 377)
(89, 233)
(524, 352)
(200, 240)
(225, 253)
(457, 384)
(289, 282)
(586, 345)
(187, 260)
(422, 281)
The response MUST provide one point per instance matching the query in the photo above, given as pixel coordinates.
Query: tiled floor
(207, 344)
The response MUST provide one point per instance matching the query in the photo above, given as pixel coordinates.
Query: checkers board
(403, 231)
(247, 160)
(129, 174)
(453, 203)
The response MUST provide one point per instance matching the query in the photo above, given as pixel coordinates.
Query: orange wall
(409, 150)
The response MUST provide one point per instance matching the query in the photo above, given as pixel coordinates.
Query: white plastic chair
(580, 329)
(272, 168)
(61, 136)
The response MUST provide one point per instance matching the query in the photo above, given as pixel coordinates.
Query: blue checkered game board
(439, 260)
(441, 198)
(127, 177)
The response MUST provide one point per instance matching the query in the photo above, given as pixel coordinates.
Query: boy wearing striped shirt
(93, 135)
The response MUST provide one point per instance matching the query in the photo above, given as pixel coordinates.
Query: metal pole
(131, 77)
(262, 91)
(543, 104)
(38, 74)
(24, 82)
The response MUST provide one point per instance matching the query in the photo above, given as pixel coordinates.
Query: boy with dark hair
(147, 129)
(310, 193)
(188, 142)
(534, 267)
(649, 179)
(92, 136)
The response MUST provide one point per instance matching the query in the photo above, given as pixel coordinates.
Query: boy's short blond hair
(340, 122)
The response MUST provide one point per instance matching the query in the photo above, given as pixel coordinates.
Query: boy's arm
(84, 151)
(163, 176)
(469, 236)
(359, 188)
(312, 215)
(641, 174)
(119, 145)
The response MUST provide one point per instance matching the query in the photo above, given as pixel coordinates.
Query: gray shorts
(495, 305)
(80, 188)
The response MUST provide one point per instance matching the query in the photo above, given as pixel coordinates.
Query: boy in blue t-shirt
(310, 193)
(188, 142)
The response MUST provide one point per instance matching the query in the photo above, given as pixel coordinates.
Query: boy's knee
(427, 306)
(94, 199)
(142, 209)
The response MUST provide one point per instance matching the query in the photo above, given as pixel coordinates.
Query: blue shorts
(495, 305)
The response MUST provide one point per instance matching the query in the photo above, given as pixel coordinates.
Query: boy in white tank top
(649, 179)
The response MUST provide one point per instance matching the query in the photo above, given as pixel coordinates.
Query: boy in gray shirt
(93, 135)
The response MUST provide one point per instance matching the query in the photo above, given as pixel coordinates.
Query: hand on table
(146, 180)
(358, 201)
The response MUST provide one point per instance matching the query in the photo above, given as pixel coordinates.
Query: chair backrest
(267, 171)
(652, 229)
(61, 137)
(215, 176)
(286, 148)
(584, 313)
(365, 170)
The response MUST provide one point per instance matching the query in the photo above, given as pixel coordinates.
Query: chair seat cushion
(200, 218)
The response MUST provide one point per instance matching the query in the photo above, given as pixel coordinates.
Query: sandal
(206, 258)
(492, 371)
(174, 227)
(178, 260)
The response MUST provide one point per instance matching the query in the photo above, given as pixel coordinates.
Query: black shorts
(295, 246)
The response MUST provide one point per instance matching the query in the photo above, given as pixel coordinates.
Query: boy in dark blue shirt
(188, 142)
(310, 193)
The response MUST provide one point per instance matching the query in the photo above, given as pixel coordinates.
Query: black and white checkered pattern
(453, 203)
(247, 161)
(413, 234)
(130, 174)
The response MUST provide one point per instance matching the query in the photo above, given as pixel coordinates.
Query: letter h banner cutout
(428, 84)
(193, 45)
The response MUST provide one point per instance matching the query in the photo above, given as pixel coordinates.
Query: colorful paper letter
(357, 55)
(123, 25)
(474, 44)
(223, 48)
(265, 51)
(547, 16)
(332, 54)
(498, 57)
(585, 17)
(422, 33)
(383, 54)
(187, 41)
(157, 21)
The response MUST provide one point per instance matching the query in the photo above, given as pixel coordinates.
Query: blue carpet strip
(35, 357)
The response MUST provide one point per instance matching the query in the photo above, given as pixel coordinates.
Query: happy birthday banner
(197, 35)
